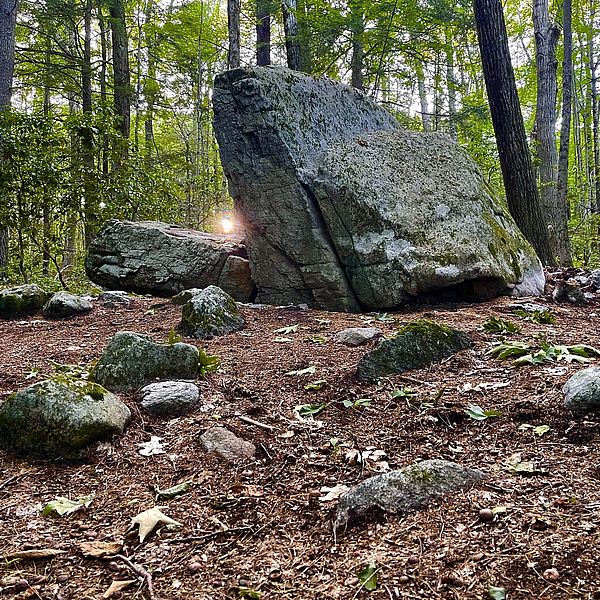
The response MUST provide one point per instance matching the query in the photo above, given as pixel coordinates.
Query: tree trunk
(104, 56)
(515, 160)
(122, 83)
(451, 85)
(357, 30)
(546, 42)
(263, 33)
(562, 184)
(150, 85)
(593, 66)
(233, 28)
(8, 18)
(292, 40)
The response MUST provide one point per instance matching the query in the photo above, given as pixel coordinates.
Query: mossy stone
(22, 300)
(415, 345)
(132, 360)
(60, 416)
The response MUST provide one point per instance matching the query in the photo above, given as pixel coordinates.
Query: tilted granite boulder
(410, 488)
(60, 416)
(415, 345)
(63, 304)
(132, 360)
(210, 312)
(162, 259)
(344, 210)
(582, 392)
(22, 300)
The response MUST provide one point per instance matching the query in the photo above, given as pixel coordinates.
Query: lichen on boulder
(22, 300)
(60, 416)
(410, 488)
(132, 360)
(210, 312)
(415, 345)
(582, 392)
(63, 304)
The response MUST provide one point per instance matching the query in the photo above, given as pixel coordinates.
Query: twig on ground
(256, 423)
(140, 572)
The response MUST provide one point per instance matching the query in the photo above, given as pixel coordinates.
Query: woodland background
(111, 106)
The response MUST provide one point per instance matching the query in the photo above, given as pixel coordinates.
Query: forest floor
(259, 528)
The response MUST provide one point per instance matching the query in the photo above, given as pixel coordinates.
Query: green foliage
(580, 353)
(174, 338)
(477, 413)
(504, 350)
(542, 317)
(207, 363)
(497, 325)
(358, 403)
(368, 577)
(310, 410)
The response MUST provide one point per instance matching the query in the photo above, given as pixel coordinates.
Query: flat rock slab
(415, 345)
(582, 391)
(150, 257)
(334, 196)
(62, 305)
(22, 300)
(132, 360)
(356, 336)
(210, 312)
(59, 417)
(169, 398)
(406, 489)
(227, 445)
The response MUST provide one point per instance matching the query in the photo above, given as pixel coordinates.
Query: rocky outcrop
(344, 210)
(58, 417)
(162, 259)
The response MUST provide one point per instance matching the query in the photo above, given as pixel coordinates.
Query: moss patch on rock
(22, 300)
(415, 345)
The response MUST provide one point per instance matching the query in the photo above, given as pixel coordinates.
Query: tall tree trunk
(292, 40)
(8, 18)
(103, 97)
(546, 42)
(263, 33)
(451, 85)
(357, 30)
(233, 28)
(515, 160)
(593, 66)
(562, 184)
(122, 83)
(150, 85)
(46, 200)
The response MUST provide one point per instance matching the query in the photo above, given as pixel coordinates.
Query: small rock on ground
(582, 391)
(170, 398)
(63, 304)
(356, 336)
(227, 445)
(22, 300)
(409, 488)
(569, 291)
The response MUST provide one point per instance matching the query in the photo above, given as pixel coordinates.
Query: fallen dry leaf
(333, 493)
(100, 549)
(149, 519)
(117, 586)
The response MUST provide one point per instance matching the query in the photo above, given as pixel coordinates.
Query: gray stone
(582, 391)
(210, 312)
(344, 210)
(356, 336)
(529, 307)
(227, 445)
(406, 489)
(132, 360)
(594, 279)
(63, 304)
(185, 296)
(162, 259)
(60, 416)
(170, 398)
(569, 291)
(415, 345)
(22, 300)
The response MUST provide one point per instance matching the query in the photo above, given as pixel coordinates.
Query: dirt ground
(259, 528)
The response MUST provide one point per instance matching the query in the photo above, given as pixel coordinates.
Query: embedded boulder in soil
(356, 336)
(210, 312)
(415, 345)
(132, 360)
(345, 210)
(60, 416)
(582, 392)
(22, 300)
(150, 257)
(227, 445)
(170, 398)
(410, 488)
(63, 304)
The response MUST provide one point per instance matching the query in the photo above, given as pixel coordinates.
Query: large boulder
(132, 360)
(22, 300)
(58, 417)
(162, 259)
(344, 210)
(413, 346)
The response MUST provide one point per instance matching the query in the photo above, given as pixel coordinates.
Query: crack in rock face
(345, 210)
